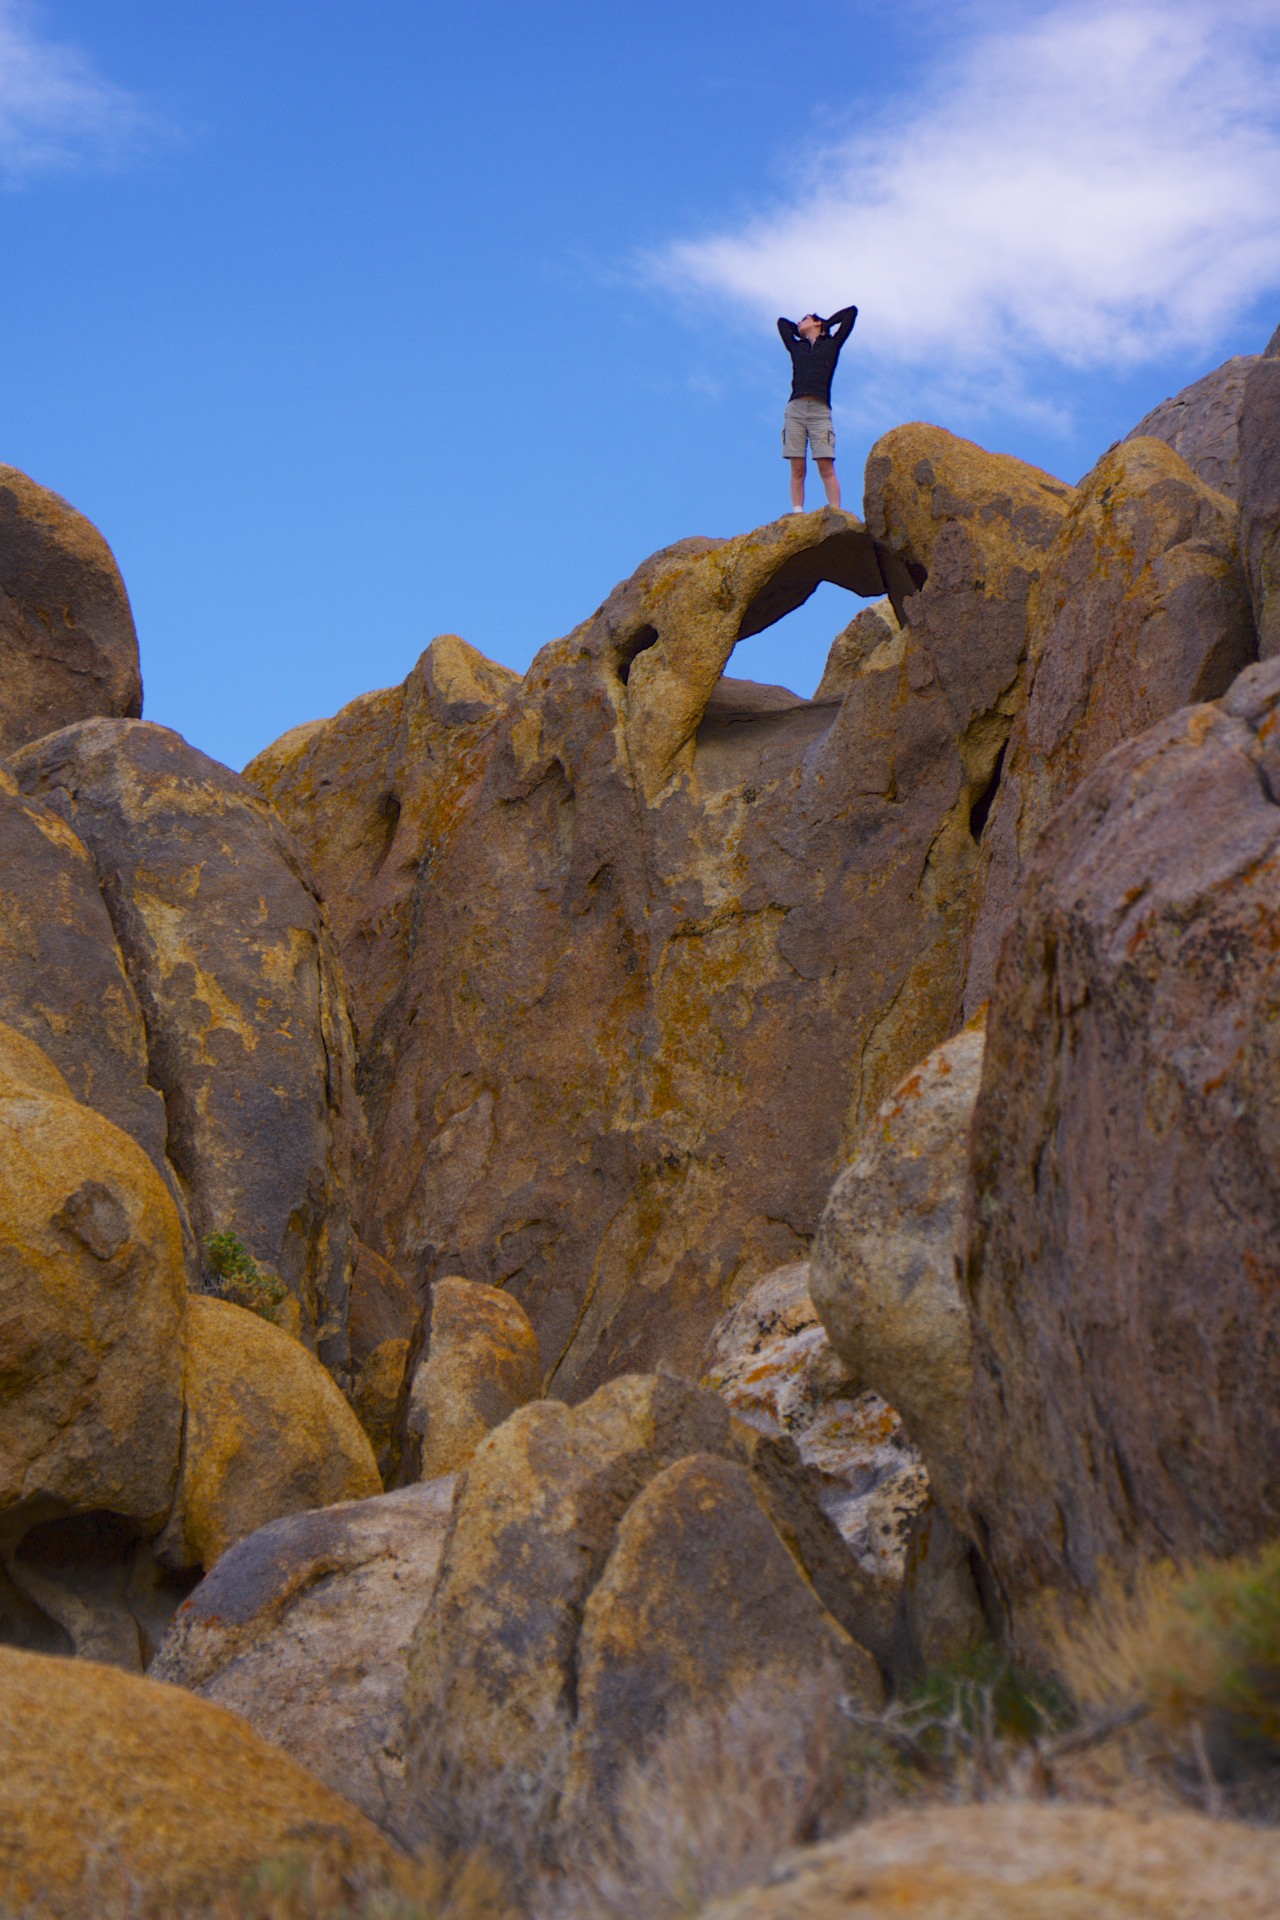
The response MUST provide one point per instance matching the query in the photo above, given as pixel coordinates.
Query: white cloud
(1098, 182)
(56, 111)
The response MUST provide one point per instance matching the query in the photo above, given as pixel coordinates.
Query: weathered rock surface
(67, 645)
(91, 1312)
(1260, 495)
(1141, 609)
(115, 1790)
(884, 1267)
(771, 1361)
(267, 1434)
(494, 1664)
(370, 792)
(228, 952)
(699, 1602)
(1122, 1264)
(303, 1630)
(384, 1326)
(925, 488)
(481, 1363)
(940, 1614)
(1202, 424)
(874, 627)
(62, 980)
(674, 941)
(1025, 1861)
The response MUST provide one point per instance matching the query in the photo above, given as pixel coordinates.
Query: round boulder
(481, 1364)
(92, 1295)
(68, 649)
(268, 1433)
(119, 1795)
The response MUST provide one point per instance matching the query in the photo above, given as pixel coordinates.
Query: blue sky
(350, 325)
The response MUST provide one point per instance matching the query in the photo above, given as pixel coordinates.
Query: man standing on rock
(814, 347)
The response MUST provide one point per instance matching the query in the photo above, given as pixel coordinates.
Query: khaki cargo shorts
(808, 420)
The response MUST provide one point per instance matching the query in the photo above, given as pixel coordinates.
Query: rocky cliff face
(1121, 1267)
(520, 1027)
(672, 935)
(229, 956)
(1141, 609)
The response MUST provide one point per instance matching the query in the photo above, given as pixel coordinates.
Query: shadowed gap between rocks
(638, 643)
(980, 812)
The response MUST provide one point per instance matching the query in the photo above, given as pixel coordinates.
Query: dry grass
(302, 1886)
(504, 1816)
(713, 1805)
(1190, 1658)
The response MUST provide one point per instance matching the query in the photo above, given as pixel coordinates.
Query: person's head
(811, 327)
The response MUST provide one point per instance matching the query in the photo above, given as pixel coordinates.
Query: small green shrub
(985, 1693)
(1220, 1660)
(240, 1279)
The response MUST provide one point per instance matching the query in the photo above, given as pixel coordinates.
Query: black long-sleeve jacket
(813, 366)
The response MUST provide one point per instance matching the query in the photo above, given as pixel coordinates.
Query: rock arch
(673, 626)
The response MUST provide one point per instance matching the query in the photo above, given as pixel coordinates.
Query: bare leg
(827, 471)
(797, 481)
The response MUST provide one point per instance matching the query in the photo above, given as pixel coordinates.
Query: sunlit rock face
(637, 947)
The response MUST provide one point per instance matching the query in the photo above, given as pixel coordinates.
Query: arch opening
(850, 559)
(794, 652)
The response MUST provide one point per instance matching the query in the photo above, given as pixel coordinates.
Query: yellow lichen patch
(170, 928)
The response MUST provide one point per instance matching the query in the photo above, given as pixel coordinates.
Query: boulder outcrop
(496, 1663)
(228, 952)
(885, 1260)
(678, 936)
(1202, 424)
(772, 1363)
(142, 1428)
(68, 649)
(480, 1364)
(1025, 1861)
(1141, 609)
(303, 1630)
(267, 1434)
(1260, 495)
(1122, 1262)
(119, 1795)
(699, 1602)
(92, 1293)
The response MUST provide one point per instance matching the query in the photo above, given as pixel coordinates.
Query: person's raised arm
(842, 322)
(790, 333)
